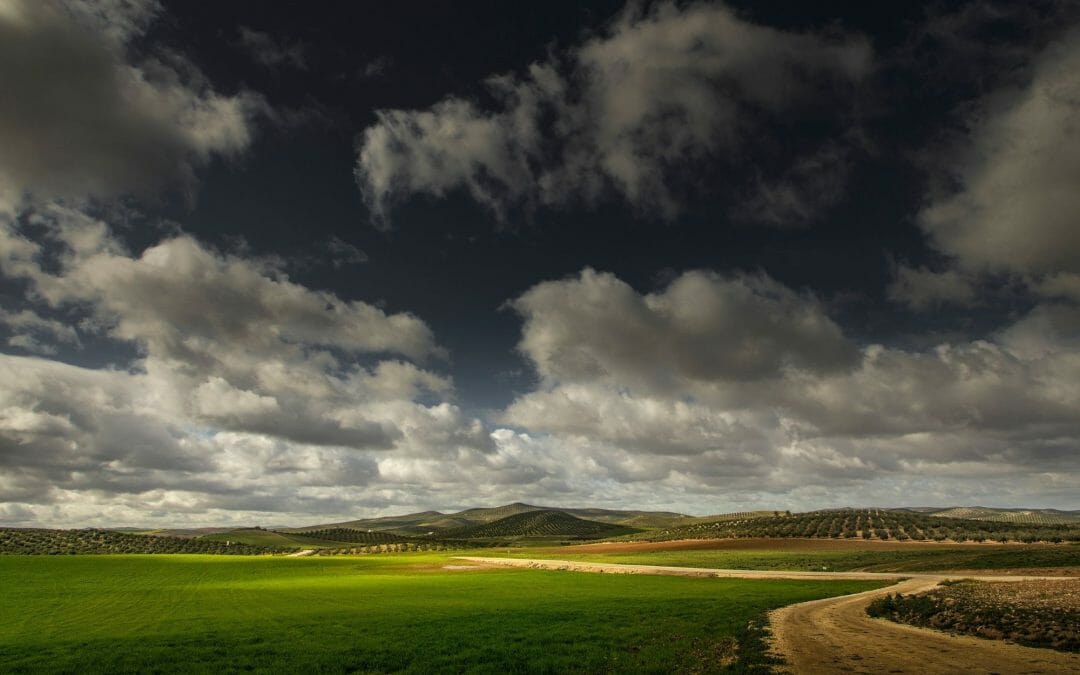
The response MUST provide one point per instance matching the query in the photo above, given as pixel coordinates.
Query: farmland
(1034, 613)
(415, 608)
(873, 524)
(523, 524)
(375, 613)
(1019, 516)
(90, 541)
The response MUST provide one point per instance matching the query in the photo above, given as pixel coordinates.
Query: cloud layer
(756, 388)
(81, 115)
(235, 393)
(627, 112)
(238, 370)
(1016, 209)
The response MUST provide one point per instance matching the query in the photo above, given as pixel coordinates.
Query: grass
(382, 613)
(916, 559)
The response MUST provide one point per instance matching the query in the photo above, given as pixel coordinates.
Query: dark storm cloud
(78, 118)
(624, 112)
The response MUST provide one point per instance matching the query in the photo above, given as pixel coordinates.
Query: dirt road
(835, 635)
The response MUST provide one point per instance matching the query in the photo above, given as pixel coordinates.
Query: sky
(288, 263)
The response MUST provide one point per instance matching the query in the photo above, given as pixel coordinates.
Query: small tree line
(20, 541)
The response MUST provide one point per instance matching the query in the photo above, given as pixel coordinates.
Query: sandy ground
(461, 567)
(835, 635)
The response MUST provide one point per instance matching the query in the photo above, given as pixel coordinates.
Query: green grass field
(403, 613)
(921, 559)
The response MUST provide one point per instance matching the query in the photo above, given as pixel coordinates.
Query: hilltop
(1018, 516)
(542, 523)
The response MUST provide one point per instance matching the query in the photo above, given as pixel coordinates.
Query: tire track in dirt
(835, 635)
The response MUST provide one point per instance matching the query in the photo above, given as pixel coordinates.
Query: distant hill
(436, 523)
(630, 518)
(409, 524)
(1017, 516)
(540, 523)
(736, 515)
(526, 523)
(182, 532)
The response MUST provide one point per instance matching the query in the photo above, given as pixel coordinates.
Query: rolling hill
(409, 524)
(526, 523)
(438, 524)
(881, 524)
(546, 523)
(1016, 516)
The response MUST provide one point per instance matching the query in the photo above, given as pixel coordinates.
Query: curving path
(835, 635)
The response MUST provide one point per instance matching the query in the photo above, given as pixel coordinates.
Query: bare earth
(835, 635)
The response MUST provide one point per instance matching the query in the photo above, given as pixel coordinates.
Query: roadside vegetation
(1033, 613)
(418, 613)
(21, 541)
